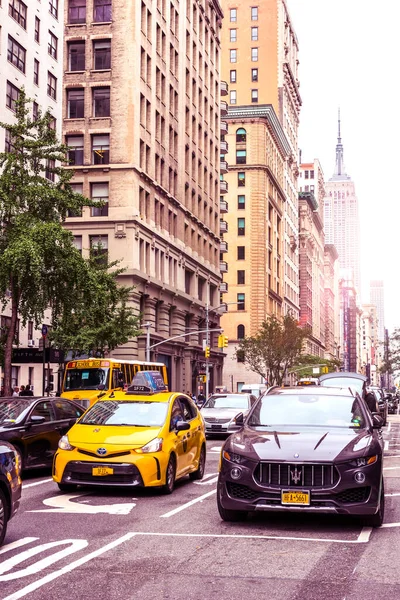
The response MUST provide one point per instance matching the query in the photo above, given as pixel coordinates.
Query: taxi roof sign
(147, 382)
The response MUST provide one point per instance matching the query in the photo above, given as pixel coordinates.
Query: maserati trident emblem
(295, 475)
(101, 451)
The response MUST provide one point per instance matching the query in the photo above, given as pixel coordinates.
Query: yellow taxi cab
(146, 436)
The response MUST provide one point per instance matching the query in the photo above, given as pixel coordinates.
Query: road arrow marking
(63, 504)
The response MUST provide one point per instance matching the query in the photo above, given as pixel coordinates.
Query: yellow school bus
(89, 379)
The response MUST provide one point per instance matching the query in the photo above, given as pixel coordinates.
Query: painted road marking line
(391, 495)
(208, 481)
(63, 504)
(387, 525)
(390, 468)
(386, 446)
(28, 485)
(17, 544)
(74, 565)
(361, 539)
(389, 426)
(171, 513)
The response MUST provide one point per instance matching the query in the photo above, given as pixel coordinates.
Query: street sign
(315, 370)
(44, 330)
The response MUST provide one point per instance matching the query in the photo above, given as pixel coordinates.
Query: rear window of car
(228, 401)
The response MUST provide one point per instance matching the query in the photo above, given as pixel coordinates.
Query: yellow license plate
(289, 497)
(102, 471)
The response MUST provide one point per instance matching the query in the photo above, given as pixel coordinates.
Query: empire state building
(342, 227)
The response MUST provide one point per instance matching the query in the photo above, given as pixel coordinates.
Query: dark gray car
(304, 450)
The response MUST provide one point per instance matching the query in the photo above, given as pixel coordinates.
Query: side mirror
(182, 426)
(236, 424)
(36, 420)
(377, 421)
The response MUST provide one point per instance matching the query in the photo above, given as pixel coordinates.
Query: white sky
(349, 57)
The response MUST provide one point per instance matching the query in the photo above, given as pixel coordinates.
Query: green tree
(40, 268)
(274, 349)
(305, 363)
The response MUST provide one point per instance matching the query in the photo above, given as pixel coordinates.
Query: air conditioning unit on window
(31, 343)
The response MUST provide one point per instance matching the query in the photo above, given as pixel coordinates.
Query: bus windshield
(86, 379)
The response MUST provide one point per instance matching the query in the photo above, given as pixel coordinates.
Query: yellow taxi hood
(91, 437)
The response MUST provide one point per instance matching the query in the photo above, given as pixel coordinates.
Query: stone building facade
(142, 102)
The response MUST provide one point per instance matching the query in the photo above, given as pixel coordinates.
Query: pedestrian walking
(15, 391)
(22, 390)
(28, 391)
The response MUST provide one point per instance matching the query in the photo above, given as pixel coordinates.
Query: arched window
(240, 332)
(241, 135)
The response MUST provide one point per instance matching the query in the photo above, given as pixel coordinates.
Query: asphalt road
(109, 545)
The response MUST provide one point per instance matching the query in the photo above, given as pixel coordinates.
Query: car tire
(230, 515)
(3, 516)
(170, 474)
(376, 520)
(67, 487)
(199, 472)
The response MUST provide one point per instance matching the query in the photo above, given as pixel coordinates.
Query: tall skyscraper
(377, 297)
(342, 227)
(142, 117)
(259, 61)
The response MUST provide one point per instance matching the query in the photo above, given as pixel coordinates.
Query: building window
(241, 202)
(35, 111)
(241, 253)
(102, 55)
(241, 277)
(75, 103)
(306, 174)
(75, 152)
(254, 95)
(35, 71)
(241, 179)
(12, 95)
(17, 10)
(254, 34)
(50, 166)
(77, 188)
(241, 157)
(78, 243)
(52, 45)
(233, 56)
(312, 174)
(241, 228)
(233, 76)
(232, 96)
(101, 149)
(241, 135)
(53, 8)
(76, 56)
(254, 74)
(37, 30)
(51, 85)
(99, 193)
(77, 11)
(232, 35)
(254, 54)
(102, 11)
(99, 248)
(240, 332)
(101, 102)
(241, 301)
(16, 54)
(233, 15)
(254, 13)
(8, 142)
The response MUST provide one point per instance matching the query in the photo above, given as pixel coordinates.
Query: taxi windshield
(13, 410)
(86, 379)
(134, 414)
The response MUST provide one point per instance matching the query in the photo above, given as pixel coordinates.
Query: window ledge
(101, 23)
(100, 70)
(72, 72)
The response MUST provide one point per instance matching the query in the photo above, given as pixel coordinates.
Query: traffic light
(207, 352)
(325, 370)
(222, 341)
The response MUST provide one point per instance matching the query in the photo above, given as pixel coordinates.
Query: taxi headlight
(64, 443)
(153, 446)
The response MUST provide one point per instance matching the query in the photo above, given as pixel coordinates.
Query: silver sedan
(220, 410)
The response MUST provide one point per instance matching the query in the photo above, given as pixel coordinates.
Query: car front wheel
(229, 515)
(3, 516)
(376, 520)
(170, 472)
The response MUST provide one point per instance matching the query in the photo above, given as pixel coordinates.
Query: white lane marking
(17, 544)
(63, 504)
(216, 448)
(365, 534)
(29, 485)
(386, 446)
(390, 468)
(184, 506)
(208, 481)
(81, 561)
(391, 495)
(389, 525)
(253, 537)
(392, 456)
(74, 546)
(389, 426)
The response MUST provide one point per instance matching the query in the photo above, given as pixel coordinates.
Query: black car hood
(310, 444)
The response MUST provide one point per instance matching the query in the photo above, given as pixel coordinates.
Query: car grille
(95, 455)
(241, 492)
(296, 475)
(215, 420)
(353, 495)
(81, 472)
